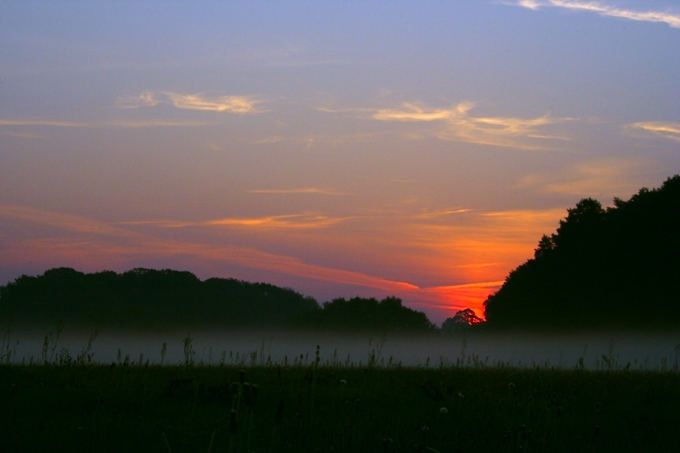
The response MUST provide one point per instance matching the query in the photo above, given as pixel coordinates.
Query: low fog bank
(592, 351)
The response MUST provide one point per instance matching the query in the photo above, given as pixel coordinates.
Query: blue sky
(339, 148)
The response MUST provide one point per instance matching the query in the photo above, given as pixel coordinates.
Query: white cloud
(669, 18)
(233, 104)
(666, 130)
(531, 4)
(459, 125)
(144, 99)
(411, 112)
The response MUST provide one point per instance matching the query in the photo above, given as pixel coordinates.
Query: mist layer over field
(588, 351)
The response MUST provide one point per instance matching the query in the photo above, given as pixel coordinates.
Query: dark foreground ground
(78, 408)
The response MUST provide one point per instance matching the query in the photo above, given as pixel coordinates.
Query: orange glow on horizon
(450, 299)
(407, 252)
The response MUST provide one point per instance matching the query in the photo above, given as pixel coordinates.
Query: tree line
(160, 299)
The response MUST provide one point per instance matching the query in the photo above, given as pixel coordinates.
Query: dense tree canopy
(148, 298)
(360, 314)
(161, 299)
(614, 267)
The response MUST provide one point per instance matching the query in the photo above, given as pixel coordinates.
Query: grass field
(65, 403)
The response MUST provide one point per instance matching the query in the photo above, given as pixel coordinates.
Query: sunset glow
(337, 148)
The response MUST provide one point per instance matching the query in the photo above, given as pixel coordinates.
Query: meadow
(249, 403)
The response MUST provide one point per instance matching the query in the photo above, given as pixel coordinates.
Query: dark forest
(610, 268)
(151, 299)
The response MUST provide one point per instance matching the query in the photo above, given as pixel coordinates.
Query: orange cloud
(288, 221)
(282, 221)
(150, 247)
(288, 265)
(232, 104)
(304, 190)
(412, 112)
(445, 301)
(459, 297)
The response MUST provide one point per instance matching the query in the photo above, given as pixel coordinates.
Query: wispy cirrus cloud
(144, 124)
(459, 125)
(233, 104)
(67, 222)
(144, 99)
(413, 112)
(49, 123)
(104, 124)
(300, 191)
(665, 130)
(599, 178)
(603, 9)
(106, 243)
(316, 140)
(459, 297)
(493, 284)
(441, 213)
(192, 101)
(290, 221)
(297, 221)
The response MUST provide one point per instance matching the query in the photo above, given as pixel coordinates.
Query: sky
(340, 148)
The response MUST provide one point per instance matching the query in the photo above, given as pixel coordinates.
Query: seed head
(443, 411)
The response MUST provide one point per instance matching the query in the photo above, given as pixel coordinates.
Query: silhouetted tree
(463, 320)
(158, 299)
(600, 267)
(148, 298)
(545, 246)
(366, 315)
